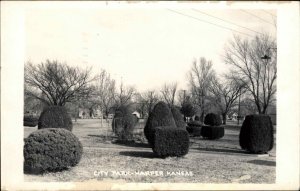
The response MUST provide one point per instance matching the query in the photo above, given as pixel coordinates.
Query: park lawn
(210, 161)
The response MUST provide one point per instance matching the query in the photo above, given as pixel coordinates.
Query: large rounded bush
(178, 117)
(124, 122)
(55, 117)
(51, 149)
(256, 135)
(212, 119)
(212, 132)
(161, 115)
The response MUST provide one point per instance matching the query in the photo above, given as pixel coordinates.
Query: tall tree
(258, 74)
(106, 91)
(168, 92)
(124, 95)
(200, 77)
(150, 98)
(58, 83)
(224, 95)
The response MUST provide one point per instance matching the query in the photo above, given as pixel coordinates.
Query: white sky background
(144, 47)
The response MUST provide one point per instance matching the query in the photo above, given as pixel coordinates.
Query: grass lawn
(218, 161)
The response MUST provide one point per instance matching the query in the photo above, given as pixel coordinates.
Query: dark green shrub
(178, 117)
(256, 135)
(212, 132)
(30, 120)
(194, 128)
(197, 118)
(170, 141)
(188, 109)
(124, 122)
(161, 115)
(212, 119)
(51, 149)
(55, 117)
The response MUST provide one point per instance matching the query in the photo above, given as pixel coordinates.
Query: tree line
(55, 83)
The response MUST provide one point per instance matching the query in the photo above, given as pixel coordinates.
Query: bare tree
(200, 77)
(151, 98)
(124, 95)
(57, 82)
(224, 95)
(258, 74)
(168, 92)
(106, 91)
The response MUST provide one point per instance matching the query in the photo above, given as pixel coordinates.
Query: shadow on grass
(139, 154)
(223, 150)
(131, 144)
(263, 162)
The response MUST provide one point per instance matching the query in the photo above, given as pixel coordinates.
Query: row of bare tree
(54, 83)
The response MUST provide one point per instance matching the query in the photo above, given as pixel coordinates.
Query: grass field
(218, 161)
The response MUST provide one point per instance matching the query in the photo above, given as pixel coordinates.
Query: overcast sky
(144, 47)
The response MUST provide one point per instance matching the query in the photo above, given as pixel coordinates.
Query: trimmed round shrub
(55, 117)
(212, 132)
(178, 117)
(161, 115)
(124, 122)
(256, 135)
(188, 109)
(194, 128)
(170, 141)
(212, 119)
(51, 150)
(30, 120)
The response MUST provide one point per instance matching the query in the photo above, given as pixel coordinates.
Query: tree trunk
(202, 117)
(224, 118)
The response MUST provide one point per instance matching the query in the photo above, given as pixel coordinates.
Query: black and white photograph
(113, 93)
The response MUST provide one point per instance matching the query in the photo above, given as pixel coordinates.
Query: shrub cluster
(160, 116)
(194, 128)
(170, 141)
(30, 120)
(55, 117)
(212, 119)
(197, 118)
(51, 150)
(178, 117)
(256, 134)
(124, 122)
(212, 132)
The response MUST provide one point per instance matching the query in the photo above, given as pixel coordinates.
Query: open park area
(208, 161)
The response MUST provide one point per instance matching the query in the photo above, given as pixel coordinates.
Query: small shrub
(124, 122)
(197, 118)
(212, 132)
(188, 109)
(30, 120)
(51, 149)
(161, 115)
(170, 141)
(178, 117)
(256, 135)
(55, 117)
(212, 119)
(194, 128)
